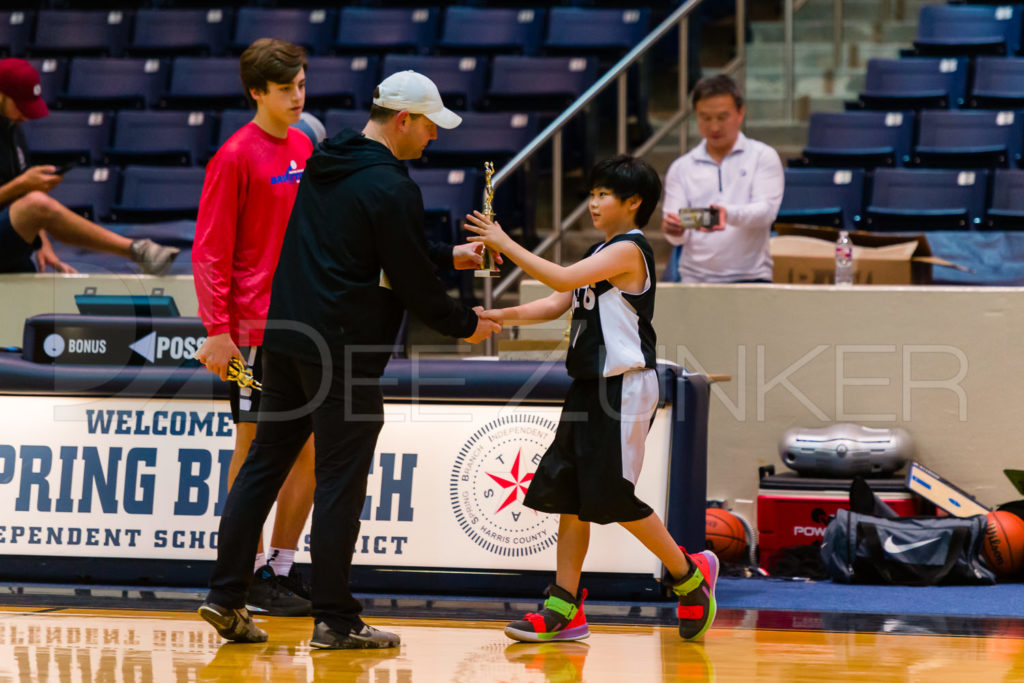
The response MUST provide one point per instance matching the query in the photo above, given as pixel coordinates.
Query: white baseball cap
(417, 94)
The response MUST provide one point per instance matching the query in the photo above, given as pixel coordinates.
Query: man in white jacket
(742, 177)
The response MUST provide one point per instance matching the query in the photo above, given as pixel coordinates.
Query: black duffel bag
(884, 548)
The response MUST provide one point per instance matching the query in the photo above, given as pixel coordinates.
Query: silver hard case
(844, 449)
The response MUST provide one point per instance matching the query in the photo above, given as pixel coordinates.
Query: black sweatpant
(346, 422)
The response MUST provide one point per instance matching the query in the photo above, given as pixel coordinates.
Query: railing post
(788, 62)
(556, 192)
(621, 113)
(837, 34)
(741, 44)
(684, 89)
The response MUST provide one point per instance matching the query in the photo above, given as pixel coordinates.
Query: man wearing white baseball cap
(27, 212)
(354, 257)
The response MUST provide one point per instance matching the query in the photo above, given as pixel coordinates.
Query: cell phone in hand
(65, 167)
(700, 219)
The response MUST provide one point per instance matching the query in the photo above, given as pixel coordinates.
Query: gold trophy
(488, 268)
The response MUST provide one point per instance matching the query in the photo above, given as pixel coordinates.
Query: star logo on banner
(514, 482)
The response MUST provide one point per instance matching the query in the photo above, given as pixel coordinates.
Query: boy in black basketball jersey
(589, 472)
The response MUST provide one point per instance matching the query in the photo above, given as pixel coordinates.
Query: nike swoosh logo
(894, 548)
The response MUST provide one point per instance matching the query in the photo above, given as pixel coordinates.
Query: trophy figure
(488, 268)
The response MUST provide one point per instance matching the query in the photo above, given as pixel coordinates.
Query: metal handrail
(789, 10)
(617, 73)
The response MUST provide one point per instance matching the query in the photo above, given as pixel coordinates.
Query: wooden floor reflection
(138, 647)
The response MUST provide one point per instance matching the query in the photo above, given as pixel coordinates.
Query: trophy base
(486, 273)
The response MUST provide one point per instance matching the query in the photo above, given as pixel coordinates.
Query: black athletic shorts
(245, 402)
(590, 469)
(15, 253)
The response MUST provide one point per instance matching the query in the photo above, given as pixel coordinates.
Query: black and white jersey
(611, 330)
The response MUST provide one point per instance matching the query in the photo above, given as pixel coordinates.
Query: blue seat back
(952, 25)
(171, 31)
(817, 189)
(92, 188)
(514, 76)
(387, 29)
(972, 129)
(460, 80)
(16, 32)
(1008, 189)
(73, 132)
(917, 189)
(862, 130)
(451, 193)
(341, 81)
(311, 28)
(153, 188)
(337, 119)
(231, 120)
(999, 77)
(198, 78)
(93, 79)
(81, 31)
(155, 132)
(917, 78)
(53, 76)
(486, 134)
(596, 29)
(492, 30)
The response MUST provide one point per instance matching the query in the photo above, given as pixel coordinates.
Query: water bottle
(844, 259)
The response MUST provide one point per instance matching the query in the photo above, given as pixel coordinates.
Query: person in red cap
(28, 212)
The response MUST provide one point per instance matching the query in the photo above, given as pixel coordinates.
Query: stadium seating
(475, 30)
(1007, 209)
(53, 75)
(538, 83)
(380, 30)
(89, 191)
(161, 137)
(823, 196)
(595, 31)
(483, 136)
(80, 32)
(974, 138)
(101, 82)
(204, 83)
(66, 136)
(460, 80)
(448, 195)
(926, 82)
(346, 82)
(337, 119)
(15, 32)
(176, 32)
(231, 120)
(954, 30)
(998, 83)
(311, 28)
(913, 199)
(863, 139)
(151, 193)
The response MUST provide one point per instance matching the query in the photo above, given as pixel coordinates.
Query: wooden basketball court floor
(49, 642)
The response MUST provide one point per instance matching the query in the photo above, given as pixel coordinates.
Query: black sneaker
(153, 258)
(296, 583)
(326, 638)
(234, 624)
(267, 594)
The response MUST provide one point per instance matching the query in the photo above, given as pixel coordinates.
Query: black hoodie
(357, 213)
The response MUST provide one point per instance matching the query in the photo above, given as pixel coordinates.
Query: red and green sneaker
(696, 593)
(562, 618)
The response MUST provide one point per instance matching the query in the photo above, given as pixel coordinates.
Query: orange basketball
(724, 534)
(1004, 543)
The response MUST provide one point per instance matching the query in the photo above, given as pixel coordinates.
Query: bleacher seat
(311, 28)
(379, 30)
(823, 196)
(483, 136)
(925, 82)
(53, 76)
(342, 82)
(998, 83)
(917, 199)
(15, 32)
(538, 83)
(1007, 209)
(973, 138)
(593, 31)
(862, 139)
(492, 30)
(337, 119)
(161, 137)
(460, 80)
(89, 191)
(448, 195)
(63, 136)
(151, 193)
(80, 32)
(103, 82)
(231, 120)
(953, 30)
(177, 32)
(204, 83)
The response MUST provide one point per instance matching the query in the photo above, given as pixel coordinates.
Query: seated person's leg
(15, 249)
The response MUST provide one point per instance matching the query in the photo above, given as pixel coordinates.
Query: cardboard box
(806, 254)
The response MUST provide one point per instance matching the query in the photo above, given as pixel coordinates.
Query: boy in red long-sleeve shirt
(248, 194)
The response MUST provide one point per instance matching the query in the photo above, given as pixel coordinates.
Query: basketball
(724, 534)
(1004, 543)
